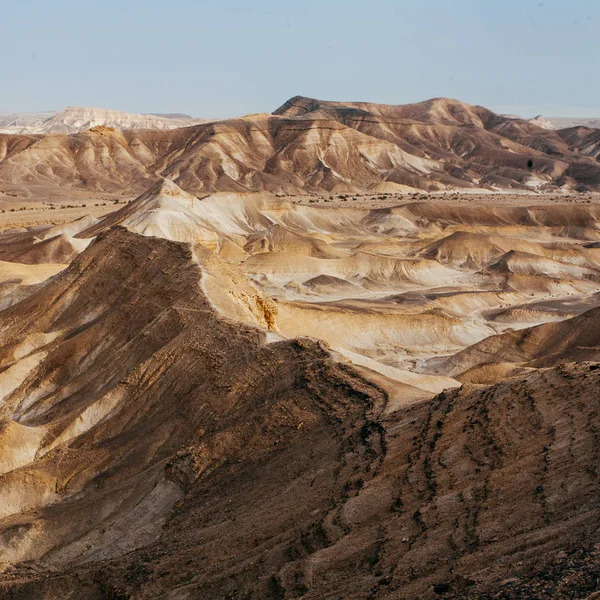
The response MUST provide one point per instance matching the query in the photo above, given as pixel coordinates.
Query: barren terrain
(329, 391)
(310, 146)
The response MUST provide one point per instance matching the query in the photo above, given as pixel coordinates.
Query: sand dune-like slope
(523, 263)
(27, 274)
(310, 145)
(561, 217)
(329, 284)
(376, 269)
(575, 339)
(465, 249)
(46, 244)
(165, 211)
(58, 249)
(379, 332)
(280, 239)
(474, 250)
(587, 139)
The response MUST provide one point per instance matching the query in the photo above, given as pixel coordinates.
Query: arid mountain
(75, 118)
(202, 393)
(18, 122)
(161, 439)
(584, 138)
(386, 287)
(574, 340)
(309, 145)
(556, 123)
(257, 396)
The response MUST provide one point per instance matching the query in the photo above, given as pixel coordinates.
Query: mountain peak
(298, 106)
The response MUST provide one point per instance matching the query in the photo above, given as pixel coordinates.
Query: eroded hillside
(310, 146)
(238, 396)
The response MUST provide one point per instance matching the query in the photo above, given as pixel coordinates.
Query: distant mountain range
(73, 119)
(556, 123)
(305, 145)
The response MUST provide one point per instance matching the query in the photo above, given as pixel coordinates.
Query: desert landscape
(337, 351)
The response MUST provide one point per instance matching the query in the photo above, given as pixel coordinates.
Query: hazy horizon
(527, 113)
(223, 59)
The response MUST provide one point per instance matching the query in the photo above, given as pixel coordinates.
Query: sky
(222, 58)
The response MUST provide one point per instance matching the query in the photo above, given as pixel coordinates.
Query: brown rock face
(126, 394)
(158, 438)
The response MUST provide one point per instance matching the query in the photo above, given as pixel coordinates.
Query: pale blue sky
(216, 58)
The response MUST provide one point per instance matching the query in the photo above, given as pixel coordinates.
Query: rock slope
(161, 448)
(168, 431)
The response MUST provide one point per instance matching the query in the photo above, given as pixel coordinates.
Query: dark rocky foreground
(177, 454)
